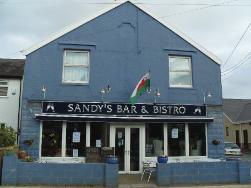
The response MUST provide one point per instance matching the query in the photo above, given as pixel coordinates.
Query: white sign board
(175, 133)
(76, 137)
(98, 143)
(75, 153)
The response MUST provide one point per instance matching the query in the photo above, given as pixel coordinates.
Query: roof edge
(101, 12)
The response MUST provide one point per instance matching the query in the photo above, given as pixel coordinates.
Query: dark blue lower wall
(32, 173)
(203, 172)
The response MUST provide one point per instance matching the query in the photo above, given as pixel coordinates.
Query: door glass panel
(120, 147)
(134, 151)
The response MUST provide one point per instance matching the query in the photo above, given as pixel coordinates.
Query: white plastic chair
(149, 167)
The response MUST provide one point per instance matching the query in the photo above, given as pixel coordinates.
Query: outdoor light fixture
(104, 91)
(206, 95)
(156, 94)
(44, 91)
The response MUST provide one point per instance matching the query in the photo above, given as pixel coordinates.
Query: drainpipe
(20, 110)
(241, 137)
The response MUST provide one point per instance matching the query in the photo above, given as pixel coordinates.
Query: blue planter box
(112, 160)
(162, 159)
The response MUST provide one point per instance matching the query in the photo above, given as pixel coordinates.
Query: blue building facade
(77, 86)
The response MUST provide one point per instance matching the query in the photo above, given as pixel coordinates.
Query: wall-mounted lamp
(44, 91)
(206, 95)
(156, 93)
(104, 91)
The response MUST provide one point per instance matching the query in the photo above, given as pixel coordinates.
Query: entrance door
(127, 143)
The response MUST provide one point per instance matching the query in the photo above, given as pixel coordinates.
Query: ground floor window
(176, 139)
(52, 139)
(75, 139)
(186, 139)
(63, 139)
(197, 139)
(154, 139)
(99, 134)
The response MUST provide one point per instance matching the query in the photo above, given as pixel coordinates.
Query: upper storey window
(180, 72)
(76, 67)
(3, 88)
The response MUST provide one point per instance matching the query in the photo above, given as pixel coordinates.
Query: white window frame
(7, 85)
(190, 71)
(77, 65)
(63, 158)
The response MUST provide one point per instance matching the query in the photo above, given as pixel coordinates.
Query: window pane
(100, 132)
(3, 91)
(76, 58)
(180, 79)
(52, 139)
(179, 64)
(176, 139)
(3, 83)
(154, 140)
(197, 139)
(180, 73)
(75, 139)
(76, 73)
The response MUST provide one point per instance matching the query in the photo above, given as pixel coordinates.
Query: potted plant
(22, 154)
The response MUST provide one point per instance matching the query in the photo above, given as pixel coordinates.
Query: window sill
(61, 160)
(181, 87)
(75, 83)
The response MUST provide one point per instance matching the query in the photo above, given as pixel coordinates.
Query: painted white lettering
(94, 108)
(176, 110)
(77, 108)
(169, 110)
(86, 108)
(155, 110)
(133, 109)
(70, 107)
(109, 108)
(119, 109)
(126, 110)
(143, 110)
(164, 110)
(100, 107)
(182, 110)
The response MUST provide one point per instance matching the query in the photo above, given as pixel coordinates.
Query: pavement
(141, 186)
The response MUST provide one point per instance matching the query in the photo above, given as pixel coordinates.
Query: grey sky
(215, 24)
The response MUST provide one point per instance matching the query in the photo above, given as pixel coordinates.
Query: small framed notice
(76, 137)
(120, 134)
(175, 133)
(98, 143)
(75, 153)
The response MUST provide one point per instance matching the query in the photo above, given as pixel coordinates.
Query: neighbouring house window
(76, 67)
(197, 139)
(180, 71)
(75, 139)
(176, 139)
(100, 134)
(154, 140)
(3, 88)
(227, 131)
(52, 139)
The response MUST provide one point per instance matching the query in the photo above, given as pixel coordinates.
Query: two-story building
(237, 122)
(78, 84)
(11, 77)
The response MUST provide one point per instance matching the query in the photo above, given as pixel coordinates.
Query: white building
(11, 76)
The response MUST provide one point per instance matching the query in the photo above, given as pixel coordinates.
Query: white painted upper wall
(9, 105)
